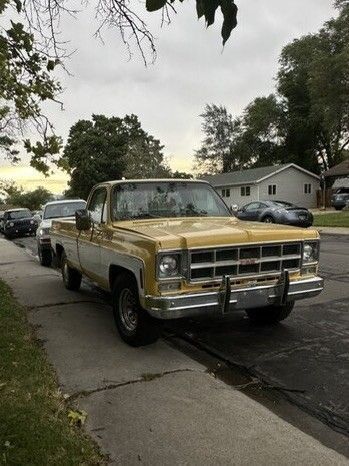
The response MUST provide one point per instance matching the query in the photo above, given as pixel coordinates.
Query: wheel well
(115, 271)
(59, 253)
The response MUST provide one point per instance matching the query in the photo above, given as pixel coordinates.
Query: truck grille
(244, 261)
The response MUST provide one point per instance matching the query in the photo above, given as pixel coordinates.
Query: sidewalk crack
(145, 378)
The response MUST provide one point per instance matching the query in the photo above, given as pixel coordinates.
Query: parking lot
(305, 359)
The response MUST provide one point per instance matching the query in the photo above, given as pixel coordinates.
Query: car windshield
(62, 210)
(166, 199)
(17, 214)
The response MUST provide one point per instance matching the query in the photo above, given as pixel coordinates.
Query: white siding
(235, 197)
(290, 187)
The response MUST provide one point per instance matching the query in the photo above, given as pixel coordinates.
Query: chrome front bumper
(227, 299)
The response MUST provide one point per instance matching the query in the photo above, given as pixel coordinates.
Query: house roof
(341, 169)
(252, 175)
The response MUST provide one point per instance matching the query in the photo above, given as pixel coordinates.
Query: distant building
(287, 182)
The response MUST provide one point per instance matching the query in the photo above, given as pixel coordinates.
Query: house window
(227, 192)
(245, 190)
(223, 192)
(307, 188)
(272, 189)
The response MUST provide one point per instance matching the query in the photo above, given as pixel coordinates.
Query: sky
(191, 69)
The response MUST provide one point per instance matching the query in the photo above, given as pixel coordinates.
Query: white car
(55, 210)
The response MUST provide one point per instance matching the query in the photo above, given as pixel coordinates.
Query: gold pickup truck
(169, 249)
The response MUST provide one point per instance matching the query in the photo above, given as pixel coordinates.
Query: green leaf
(153, 5)
(229, 10)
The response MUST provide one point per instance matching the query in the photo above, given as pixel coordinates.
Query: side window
(97, 205)
(252, 206)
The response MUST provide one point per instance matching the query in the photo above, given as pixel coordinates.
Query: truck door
(89, 248)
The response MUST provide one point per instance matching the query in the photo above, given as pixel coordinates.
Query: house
(338, 175)
(287, 182)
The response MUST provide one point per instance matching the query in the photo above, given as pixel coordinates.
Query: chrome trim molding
(198, 304)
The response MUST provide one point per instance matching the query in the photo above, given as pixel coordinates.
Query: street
(305, 358)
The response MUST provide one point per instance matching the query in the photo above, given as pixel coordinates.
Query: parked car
(276, 212)
(19, 222)
(37, 214)
(169, 249)
(1, 221)
(340, 198)
(52, 211)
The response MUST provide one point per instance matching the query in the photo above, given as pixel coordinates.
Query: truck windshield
(64, 209)
(166, 199)
(18, 214)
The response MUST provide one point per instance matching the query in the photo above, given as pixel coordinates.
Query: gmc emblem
(247, 261)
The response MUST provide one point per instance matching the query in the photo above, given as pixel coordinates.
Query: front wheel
(135, 325)
(71, 277)
(268, 219)
(271, 314)
(45, 257)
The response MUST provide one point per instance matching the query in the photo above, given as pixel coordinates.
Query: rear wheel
(45, 256)
(71, 277)
(268, 219)
(135, 325)
(271, 314)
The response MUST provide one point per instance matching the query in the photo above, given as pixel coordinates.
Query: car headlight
(44, 231)
(11, 224)
(310, 252)
(169, 265)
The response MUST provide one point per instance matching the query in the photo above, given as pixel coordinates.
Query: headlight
(11, 224)
(310, 252)
(169, 265)
(32, 222)
(44, 231)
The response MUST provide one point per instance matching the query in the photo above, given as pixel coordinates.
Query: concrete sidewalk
(151, 405)
(332, 230)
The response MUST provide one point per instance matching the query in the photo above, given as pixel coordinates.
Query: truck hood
(206, 232)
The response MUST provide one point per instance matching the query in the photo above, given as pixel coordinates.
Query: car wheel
(71, 277)
(135, 325)
(338, 208)
(271, 314)
(45, 257)
(268, 219)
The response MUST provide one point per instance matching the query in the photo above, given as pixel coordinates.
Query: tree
(15, 195)
(31, 49)
(215, 153)
(144, 157)
(313, 83)
(110, 148)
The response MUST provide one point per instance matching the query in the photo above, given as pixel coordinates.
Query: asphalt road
(306, 357)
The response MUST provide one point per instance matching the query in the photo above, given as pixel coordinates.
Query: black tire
(136, 327)
(268, 219)
(339, 208)
(45, 257)
(270, 315)
(71, 277)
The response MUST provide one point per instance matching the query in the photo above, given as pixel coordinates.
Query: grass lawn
(34, 423)
(338, 219)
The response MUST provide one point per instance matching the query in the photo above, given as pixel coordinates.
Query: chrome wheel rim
(127, 310)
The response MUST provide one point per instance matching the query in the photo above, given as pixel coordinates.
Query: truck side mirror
(82, 219)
